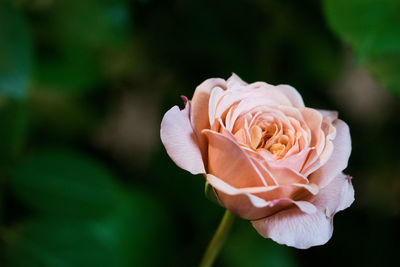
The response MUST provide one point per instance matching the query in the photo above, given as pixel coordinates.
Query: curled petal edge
(180, 141)
(294, 228)
(257, 202)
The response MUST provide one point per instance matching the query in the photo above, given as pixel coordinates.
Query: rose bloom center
(265, 135)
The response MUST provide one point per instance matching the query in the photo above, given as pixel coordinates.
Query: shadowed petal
(277, 173)
(313, 120)
(339, 158)
(336, 196)
(295, 228)
(224, 157)
(329, 114)
(199, 110)
(180, 141)
(249, 206)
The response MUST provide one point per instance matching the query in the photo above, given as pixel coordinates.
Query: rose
(269, 158)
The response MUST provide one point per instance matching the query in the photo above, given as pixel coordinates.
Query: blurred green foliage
(84, 179)
(372, 28)
(14, 117)
(77, 33)
(15, 52)
(82, 216)
(262, 253)
(52, 179)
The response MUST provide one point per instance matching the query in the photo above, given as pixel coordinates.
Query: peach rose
(270, 159)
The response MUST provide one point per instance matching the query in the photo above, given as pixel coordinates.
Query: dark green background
(84, 178)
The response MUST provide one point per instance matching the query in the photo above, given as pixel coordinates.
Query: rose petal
(294, 162)
(250, 103)
(235, 81)
(282, 175)
(180, 141)
(329, 114)
(313, 120)
(330, 134)
(295, 228)
(286, 175)
(292, 94)
(226, 188)
(215, 96)
(272, 92)
(292, 191)
(199, 110)
(225, 155)
(249, 206)
(339, 158)
(232, 98)
(336, 196)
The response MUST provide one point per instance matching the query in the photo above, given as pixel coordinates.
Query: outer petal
(235, 81)
(329, 114)
(295, 228)
(337, 196)
(199, 110)
(292, 94)
(249, 206)
(340, 156)
(225, 155)
(180, 141)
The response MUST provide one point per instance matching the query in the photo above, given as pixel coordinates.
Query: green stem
(218, 240)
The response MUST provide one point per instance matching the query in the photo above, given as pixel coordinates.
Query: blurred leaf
(58, 243)
(15, 52)
(245, 247)
(139, 227)
(374, 34)
(61, 116)
(105, 22)
(187, 193)
(123, 238)
(376, 29)
(85, 217)
(386, 69)
(127, 61)
(80, 31)
(13, 129)
(65, 183)
(74, 71)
